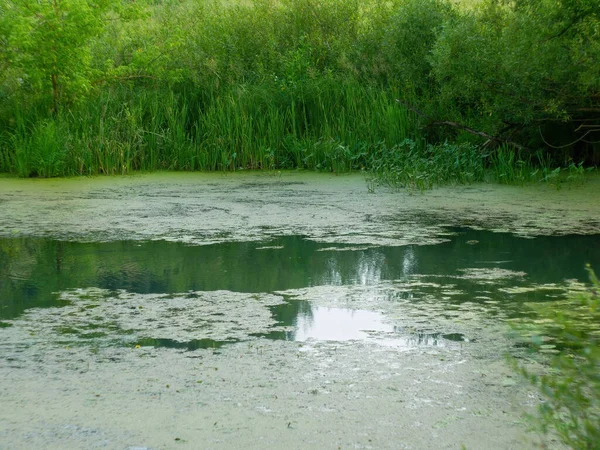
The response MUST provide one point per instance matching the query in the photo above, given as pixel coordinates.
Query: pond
(493, 272)
(276, 310)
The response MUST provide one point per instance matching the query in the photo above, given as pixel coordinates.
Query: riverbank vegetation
(420, 91)
(570, 384)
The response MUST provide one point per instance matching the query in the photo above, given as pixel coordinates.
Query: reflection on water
(338, 324)
(493, 270)
(342, 324)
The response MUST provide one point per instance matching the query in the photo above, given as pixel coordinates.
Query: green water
(34, 271)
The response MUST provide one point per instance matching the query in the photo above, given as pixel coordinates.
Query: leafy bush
(523, 68)
(418, 165)
(570, 385)
(224, 85)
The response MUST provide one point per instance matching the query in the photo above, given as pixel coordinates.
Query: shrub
(570, 384)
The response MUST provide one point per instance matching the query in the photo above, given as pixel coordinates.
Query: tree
(47, 46)
(529, 67)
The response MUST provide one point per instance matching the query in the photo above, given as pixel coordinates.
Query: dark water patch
(433, 339)
(194, 344)
(32, 270)
(267, 185)
(80, 334)
(455, 337)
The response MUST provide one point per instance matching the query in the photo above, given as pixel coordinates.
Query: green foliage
(570, 385)
(402, 41)
(522, 67)
(246, 127)
(508, 166)
(418, 165)
(46, 45)
(109, 86)
(42, 151)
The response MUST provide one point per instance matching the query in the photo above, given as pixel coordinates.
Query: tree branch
(566, 145)
(487, 136)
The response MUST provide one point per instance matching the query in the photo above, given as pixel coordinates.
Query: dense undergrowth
(570, 384)
(111, 86)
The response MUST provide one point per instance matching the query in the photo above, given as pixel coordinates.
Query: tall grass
(228, 86)
(510, 166)
(325, 125)
(259, 84)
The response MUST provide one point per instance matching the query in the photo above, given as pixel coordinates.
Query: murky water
(494, 271)
(372, 324)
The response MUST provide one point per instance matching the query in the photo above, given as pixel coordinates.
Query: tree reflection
(32, 270)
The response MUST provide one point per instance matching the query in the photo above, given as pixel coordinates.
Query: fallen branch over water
(460, 126)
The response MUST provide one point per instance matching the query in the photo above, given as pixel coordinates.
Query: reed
(262, 84)
(327, 125)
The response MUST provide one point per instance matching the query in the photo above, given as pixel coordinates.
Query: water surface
(492, 269)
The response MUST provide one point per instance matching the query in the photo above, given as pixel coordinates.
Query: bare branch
(566, 145)
(460, 126)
